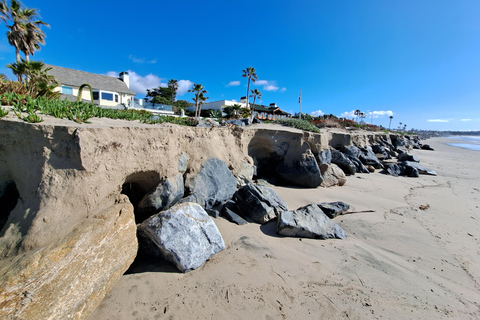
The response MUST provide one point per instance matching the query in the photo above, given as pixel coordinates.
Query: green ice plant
(32, 117)
(3, 112)
(299, 124)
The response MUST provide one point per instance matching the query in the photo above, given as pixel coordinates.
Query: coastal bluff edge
(69, 231)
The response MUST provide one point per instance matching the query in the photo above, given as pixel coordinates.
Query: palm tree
(34, 37)
(199, 99)
(362, 116)
(391, 117)
(357, 113)
(173, 85)
(24, 34)
(255, 94)
(250, 74)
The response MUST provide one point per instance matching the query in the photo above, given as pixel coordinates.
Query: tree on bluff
(160, 95)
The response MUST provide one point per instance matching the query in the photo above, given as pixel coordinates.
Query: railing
(153, 106)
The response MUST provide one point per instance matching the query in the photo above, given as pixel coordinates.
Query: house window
(95, 95)
(67, 90)
(107, 96)
(116, 98)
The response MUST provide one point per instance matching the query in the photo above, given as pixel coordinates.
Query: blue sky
(416, 60)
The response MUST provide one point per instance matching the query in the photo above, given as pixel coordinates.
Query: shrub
(299, 124)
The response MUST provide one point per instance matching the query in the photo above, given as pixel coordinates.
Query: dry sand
(398, 262)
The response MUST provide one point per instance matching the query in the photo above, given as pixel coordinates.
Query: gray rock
(394, 169)
(213, 185)
(308, 222)
(368, 157)
(426, 147)
(407, 157)
(302, 172)
(245, 175)
(332, 175)
(351, 151)
(359, 167)
(183, 162)
(165, 195)
(333, 209)
(183, 234)
(246, 121)
(413, 172)
(325, 156)
(259, 203)
(213, 213)
(236, 122)
(343, 162)
(207, 123)
(229, 212)
(255, 120)
(421, 169)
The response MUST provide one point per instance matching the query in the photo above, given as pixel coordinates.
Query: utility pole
(300, 103)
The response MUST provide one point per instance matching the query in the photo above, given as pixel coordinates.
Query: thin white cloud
(317, 113)
(233, 83)
(437, 120)
(269, 85)
(381, 114)
(139, 84)
(183, 87)
(141, 60)
(348, 114)
(465, 119)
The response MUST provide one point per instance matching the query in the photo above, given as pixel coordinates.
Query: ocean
(469, 142)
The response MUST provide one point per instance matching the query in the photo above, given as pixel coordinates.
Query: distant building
(220, 104)
(108, 91)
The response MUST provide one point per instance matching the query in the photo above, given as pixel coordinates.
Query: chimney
(243, 100)
(273, 105)
(125, 78)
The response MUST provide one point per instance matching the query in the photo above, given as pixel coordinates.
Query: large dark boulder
(421, 169)
(426, 147)
(380, 152)
(259, 203)
(359, 166)
(165, 195)
(333, 209)
(407, 157)
(368, 157)
(183, 234)
(302, 172)
(343, 162)
(308, 222)
(351, 151)
(394, 169)
(213, 185)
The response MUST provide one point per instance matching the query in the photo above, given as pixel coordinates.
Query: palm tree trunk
(248, 90)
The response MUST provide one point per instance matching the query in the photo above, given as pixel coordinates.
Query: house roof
(276, 110)
(72, 77)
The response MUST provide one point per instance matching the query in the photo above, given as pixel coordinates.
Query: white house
(107, 91)
(220, 104)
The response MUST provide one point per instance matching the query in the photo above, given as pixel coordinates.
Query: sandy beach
(397, 262)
